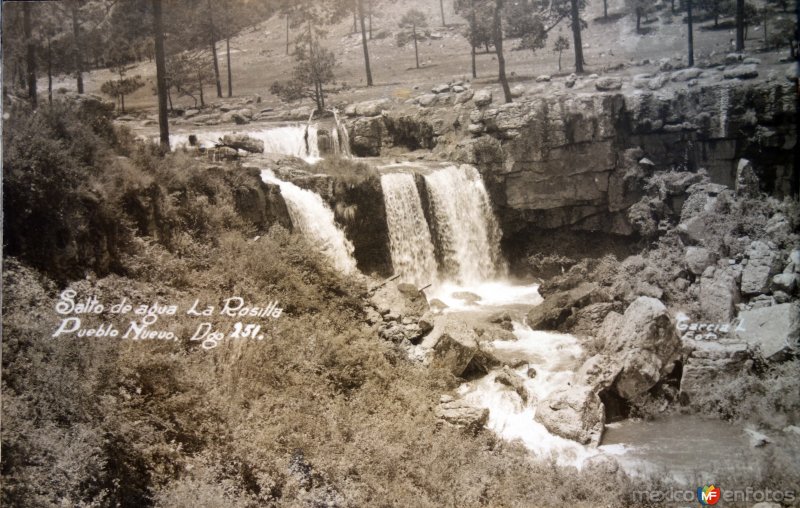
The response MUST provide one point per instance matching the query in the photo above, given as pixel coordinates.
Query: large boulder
(455, 350)
(719, 294)
(574, 413)
(644, 344)
(552, 313)
(748, 71)
(698, 259)
(243, 142)
(400, 300)
(482, 97)
(608, 84)
(773, 330)
(762, 263)
(371, 108)
(711, 363)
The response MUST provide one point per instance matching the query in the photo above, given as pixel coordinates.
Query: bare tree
(161, 75)
(498, 46)
(364, 42)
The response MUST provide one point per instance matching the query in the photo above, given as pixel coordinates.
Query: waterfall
(314, 220)
(466, 231)
(294, 140)
(410, 241)
(297, 140)
(341, 137)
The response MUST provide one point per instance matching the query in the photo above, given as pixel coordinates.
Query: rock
(751, 60)
(774, 330)
(794, 260)
(517, 91)
(587, 320)
(455, 348)
(459, 413)
(697, 259)
(389, 298)
(746, 180)
(711, 363)
(441, 88)
(458, 88)
(438, 305)
(427, 100)
(531, 372)
(509, 378)
(243, 142)
(574, 413)
(643, 342)
(608, 84)
(482, 97)
(664, 65)
(476, 128)
(571, 80)
(544, 78)
(733, 58)
(556, 308)
(191, 112)
(658, 82)
(644, 161)
(763, 262)
(687, 74)
(371, 108)
(757, 439)
(467, 297)
(786, 282)
(741, 72)
(719, 294)
(425, 323)
(464, 96)
(792, 429)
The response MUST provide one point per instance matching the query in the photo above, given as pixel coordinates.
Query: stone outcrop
(574, 413)
(774, 331)
(763, 263)
(558, 307)
(642, 343)
(556, 160)
(461, 414)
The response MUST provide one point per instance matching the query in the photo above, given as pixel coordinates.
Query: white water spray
(410, 240)
(314, 220)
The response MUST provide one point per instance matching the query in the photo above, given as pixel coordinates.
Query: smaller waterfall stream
(315, 221)
(294, 140)
(410, 240)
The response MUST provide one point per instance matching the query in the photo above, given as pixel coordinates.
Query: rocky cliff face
(578, 161)
(577, 158)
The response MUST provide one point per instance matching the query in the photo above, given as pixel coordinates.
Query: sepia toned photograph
(407, 253)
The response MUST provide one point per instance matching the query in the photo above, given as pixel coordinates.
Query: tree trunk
(576, 35)
(740, 36)
(369, 8)
(441, 8)
(213, 42)
(638, 21)
(228, 57)
(416, 51)
(49, 73)
(76, 47)
(498, 46)
(200, 82)
(605, 9)
(473, 26)
(364, 41)
(161, 75)
(122, 102)
(287, 34)
(690, 32)
(559, 61)
(31, 53)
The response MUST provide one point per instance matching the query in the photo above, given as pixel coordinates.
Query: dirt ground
(259, 53)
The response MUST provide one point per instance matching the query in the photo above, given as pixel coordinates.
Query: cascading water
(410, 240)
(295, 140)
(342, 137)
(465, 228)
(314, 220)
